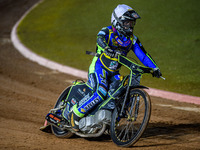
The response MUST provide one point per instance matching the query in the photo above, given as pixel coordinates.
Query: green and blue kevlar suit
(104, 69)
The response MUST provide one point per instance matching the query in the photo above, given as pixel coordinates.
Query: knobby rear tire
(124, 130)
(56, 131)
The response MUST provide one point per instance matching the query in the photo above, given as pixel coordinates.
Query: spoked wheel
(56, 131)
(127, 128)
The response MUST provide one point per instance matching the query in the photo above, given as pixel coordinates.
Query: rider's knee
(102, 91)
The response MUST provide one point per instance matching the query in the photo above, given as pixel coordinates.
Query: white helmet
(121, 14)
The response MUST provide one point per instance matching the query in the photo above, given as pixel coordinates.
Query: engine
(91, 124)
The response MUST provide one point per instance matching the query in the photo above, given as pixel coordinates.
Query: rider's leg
(87, 103)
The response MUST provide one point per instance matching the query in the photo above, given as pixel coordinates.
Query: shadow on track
(173, 134)
(170, 130)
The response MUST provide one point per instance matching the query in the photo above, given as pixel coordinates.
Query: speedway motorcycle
(124, 114)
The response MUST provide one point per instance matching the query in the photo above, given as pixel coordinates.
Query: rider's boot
(74, 121)
(74, 118)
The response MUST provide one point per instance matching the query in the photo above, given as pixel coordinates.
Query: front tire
(56, 131)
(127, 129)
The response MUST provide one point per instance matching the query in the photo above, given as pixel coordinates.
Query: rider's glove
(156, 73)
(109, 52)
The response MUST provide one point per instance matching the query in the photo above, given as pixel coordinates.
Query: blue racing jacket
(109, 37)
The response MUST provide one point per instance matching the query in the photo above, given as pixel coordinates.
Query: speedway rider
(105, 68)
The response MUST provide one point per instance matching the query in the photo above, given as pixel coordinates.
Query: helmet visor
(130, 15)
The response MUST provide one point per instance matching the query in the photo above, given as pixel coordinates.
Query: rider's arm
(143, 56)
(102, 40)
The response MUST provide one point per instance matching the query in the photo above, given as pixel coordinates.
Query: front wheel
(56, 131)
(126, 129)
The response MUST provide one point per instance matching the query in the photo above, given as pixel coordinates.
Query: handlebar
(128, 63)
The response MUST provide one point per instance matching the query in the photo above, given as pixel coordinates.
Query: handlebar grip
(92, 53)
(162, 77)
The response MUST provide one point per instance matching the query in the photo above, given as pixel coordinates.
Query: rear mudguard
(47, 127)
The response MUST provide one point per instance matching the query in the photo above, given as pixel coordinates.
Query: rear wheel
(56, 131)
(126, 129)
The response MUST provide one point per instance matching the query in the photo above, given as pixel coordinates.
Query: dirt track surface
(28, 91)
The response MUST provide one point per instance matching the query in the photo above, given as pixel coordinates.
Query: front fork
(124, 102)
(136, 99)
(135, 102)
